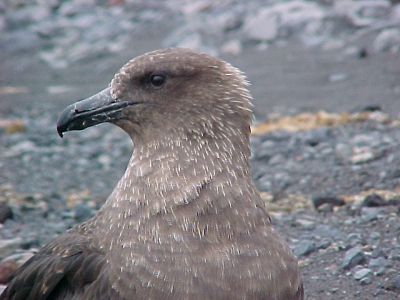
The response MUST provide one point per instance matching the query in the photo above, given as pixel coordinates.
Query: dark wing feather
(70, 267)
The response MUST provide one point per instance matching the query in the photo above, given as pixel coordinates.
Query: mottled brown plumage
(185, 221)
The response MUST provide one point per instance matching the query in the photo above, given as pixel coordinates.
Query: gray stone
(304, 248)
(387, 40)
(305, 223)
(263, 26)
(343, 151)
(369, 214)
(378, 252)
(53, 4)
(296, 14)
(326, 231)
(366, 140)
(363, 155)
(233, 47)
(362, 273)
(325, 243)
(264, 184)
(23, 17)
(393, 284)
(8, 246)
(375, 236)
(362, 13)
(19, 41)
(21, 257)
(71, 8)
(82, 212)
(354, 239)
(186, 40)
(277, 159)
(379, 265)
(333, 44)
(395, 254)
(105, 161)
(45, 29)
(366, 280)
(229, 21)
(23, 147)
(354, 256)
(380, 271)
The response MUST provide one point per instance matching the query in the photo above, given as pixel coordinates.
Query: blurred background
(326, 84)
(347, 51)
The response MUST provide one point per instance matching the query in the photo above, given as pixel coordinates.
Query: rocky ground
(64, 32)
(326, 141)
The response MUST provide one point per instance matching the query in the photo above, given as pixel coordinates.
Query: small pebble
(325, 243)
(305, 223)
(338, 77)
(363, 53)
(366, 280)
(361, 273)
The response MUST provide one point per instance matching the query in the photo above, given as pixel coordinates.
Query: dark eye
(157, 80)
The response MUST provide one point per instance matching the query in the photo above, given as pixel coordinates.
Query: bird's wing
(67, 268)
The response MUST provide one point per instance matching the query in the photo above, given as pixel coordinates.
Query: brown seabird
(185, 221)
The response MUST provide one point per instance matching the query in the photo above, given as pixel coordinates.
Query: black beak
(97, 109)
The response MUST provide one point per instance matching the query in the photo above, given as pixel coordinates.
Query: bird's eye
(157, 80)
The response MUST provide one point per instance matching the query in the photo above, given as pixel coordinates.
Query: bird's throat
(178, 181)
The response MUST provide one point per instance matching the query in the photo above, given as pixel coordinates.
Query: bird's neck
(177, 200)
(180, 180)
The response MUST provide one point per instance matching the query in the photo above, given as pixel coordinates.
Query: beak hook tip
(60, 132)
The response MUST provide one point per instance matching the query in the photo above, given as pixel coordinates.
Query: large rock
(263, 26)
(8, 246)
(362, 13)
(284, 19)
(387, 40)
(354, 256)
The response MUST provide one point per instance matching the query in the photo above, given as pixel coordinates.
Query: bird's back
(70, 267)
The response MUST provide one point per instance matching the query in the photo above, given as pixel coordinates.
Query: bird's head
(165, 91)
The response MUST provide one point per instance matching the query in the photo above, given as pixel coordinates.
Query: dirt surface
(51, 184)
(297, 78)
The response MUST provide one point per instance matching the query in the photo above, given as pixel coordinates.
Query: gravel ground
(316, 184)
(333, 188)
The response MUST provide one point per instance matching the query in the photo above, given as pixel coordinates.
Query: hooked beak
(94, 110)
